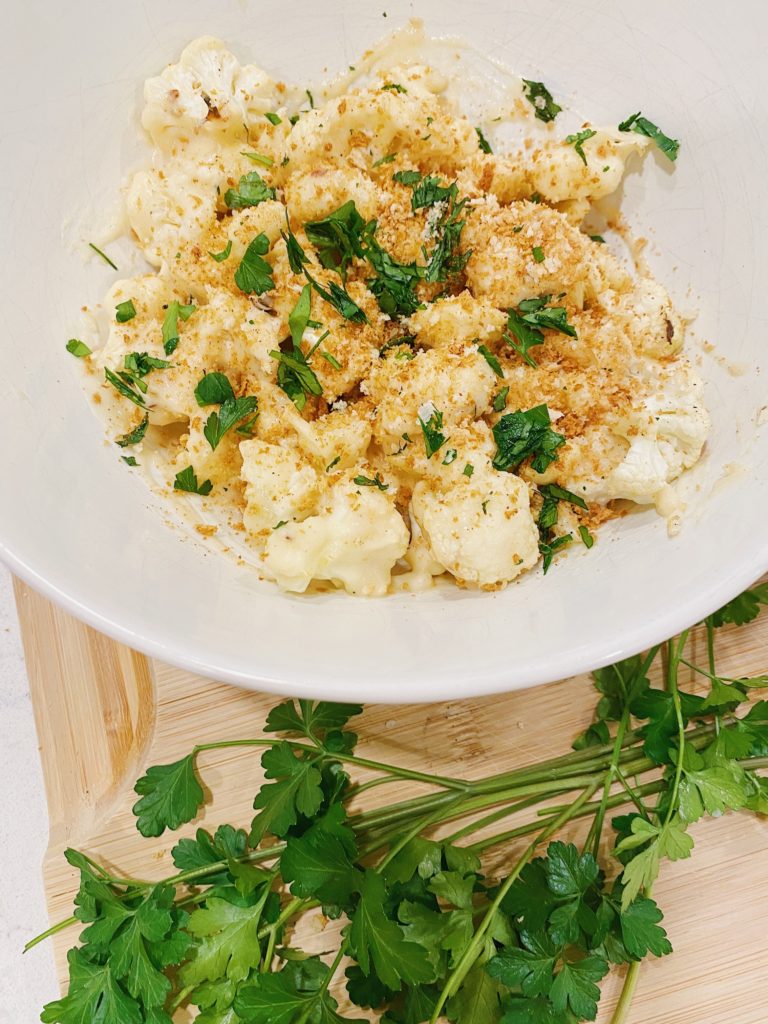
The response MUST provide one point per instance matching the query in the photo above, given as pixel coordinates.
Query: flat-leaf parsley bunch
(425, 934)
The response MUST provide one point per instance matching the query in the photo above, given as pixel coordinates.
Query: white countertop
(29, 981)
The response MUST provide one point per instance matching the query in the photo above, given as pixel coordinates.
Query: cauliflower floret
(648, 319)
(458, 385)
(314, 194)
(456, 321)
(665, 435)
(558, 173)
(336, 441)
(354, 541)
(207, 91)
(411, 122)
(479, 527)
(280, 486)
(524, 250)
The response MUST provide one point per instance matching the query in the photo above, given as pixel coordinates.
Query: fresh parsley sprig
(426, 932)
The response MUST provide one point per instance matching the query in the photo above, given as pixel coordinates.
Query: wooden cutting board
(105, 712)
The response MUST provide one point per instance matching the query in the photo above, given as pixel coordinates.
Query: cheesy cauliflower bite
(380, 351)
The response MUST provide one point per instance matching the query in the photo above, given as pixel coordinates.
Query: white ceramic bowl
(80, 528)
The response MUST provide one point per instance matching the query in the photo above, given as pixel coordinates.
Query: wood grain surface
(104, 713)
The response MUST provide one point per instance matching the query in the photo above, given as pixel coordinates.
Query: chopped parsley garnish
(186, 480)
(500, 400)
(213, 389)
(251, 190)
(139, 364)
(311, 99)
(491, 359)
(394, 87)
(482, 142)
(298, 318)
(521, 434)
(642, 126)
(125, 311)
(409, 178)
(223, 255)
(103, 255)
(273, 118)
(446, 260)
(296, 255)
(553, 494)
(340, 299)
(538, 253)
(598, 238)
(450, 456)
(365, 481)
(384, 160)
(331, 359)
(332, 463)
(254, 275)
(129, 460)
(395, 283)
(283, 522)
(294, 118)
(230, 413)
(135, 435)
(429, 191)
(578, 140)
(296, 377)
(171, 324)
(549, 548)
(540, 98)
(127, 390)
(586, 537)
(468, 470)
(401, 339)
(525, 326)
(258, 158)
(337, 237)
(78, 348)
(535, 197)
(484, 506)
(434, 438)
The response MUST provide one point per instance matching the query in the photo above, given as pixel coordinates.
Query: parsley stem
(53, 930)
(472, 949)
(181, 997)
(675, 654)
(290, 910)
(596, 828)
(711, 646)
(361, 762)
(491, 819)
(627, 993)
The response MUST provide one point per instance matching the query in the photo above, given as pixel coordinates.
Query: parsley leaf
(254, 274)
(378, 944)
(540, 98)
(640, 930)
(482, 142)
(126, 389)
(642, 126)
(171, 324)
(578, 140)
(224, 254)
(135, 435)
(273, 118)
(394, 87)
(500, 399)
(170, 795)
(492, 361)
(340, 299)
(586, 537)
(549, 548)
(538, 254)
(395, 283)
(743, 608)
(337, 237)
(320, 862)
(186, 480)
(93, 995)
(521, 434)
(295, 791)
(231, 412)
(213, 389)
(575, 986)
(125, 311)
(364, 481)
(553, 495)
(296, 377)
(388, 159)
(434, 438)
(258, 158)
(78, 348)
(310, 719)
(296, 255)
(251, 190)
